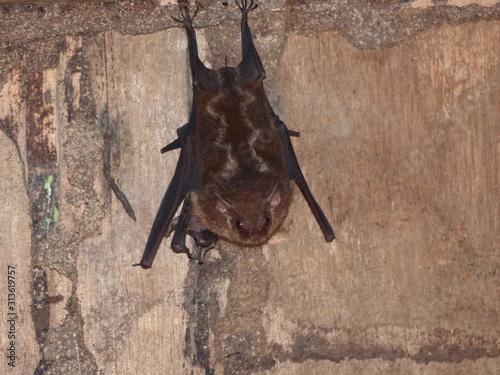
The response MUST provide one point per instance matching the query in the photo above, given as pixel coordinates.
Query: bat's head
(248, 216)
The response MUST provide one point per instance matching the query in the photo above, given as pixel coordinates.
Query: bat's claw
(246, 6)
(186, 19)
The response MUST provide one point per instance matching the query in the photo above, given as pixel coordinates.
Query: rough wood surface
(400, 145)
(18, 335)
(41, 2)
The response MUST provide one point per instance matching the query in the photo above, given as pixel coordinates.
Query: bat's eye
(239, 224)
(267, 222)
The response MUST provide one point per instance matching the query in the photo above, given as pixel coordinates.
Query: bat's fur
(239, 162)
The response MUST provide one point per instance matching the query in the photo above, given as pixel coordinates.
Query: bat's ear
(275, 197)
(221, 205)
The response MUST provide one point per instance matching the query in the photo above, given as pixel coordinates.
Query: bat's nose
(255, 234)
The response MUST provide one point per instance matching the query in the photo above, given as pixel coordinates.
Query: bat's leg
(251, 67)
(186, 19)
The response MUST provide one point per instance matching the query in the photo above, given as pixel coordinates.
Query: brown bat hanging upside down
(236, 159)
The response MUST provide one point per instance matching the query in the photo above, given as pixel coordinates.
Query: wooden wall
(398, 108)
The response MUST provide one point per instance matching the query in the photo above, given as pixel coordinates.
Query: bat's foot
(186, 19)
(246, 6)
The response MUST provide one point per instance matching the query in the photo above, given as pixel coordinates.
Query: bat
(236, 163)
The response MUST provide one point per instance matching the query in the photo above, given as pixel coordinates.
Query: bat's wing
(182, 183)
(295, 174)
(184, 179)
(179, 239)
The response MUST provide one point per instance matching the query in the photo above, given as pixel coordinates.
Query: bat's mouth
(255, 236)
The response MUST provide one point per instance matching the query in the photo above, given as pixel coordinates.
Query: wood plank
(400, 146)
(128, 304)
(18, 338)
(404, 145)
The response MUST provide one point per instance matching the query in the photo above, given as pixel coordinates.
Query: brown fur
(239, 158)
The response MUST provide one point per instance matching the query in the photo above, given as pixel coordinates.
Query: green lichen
(48, 186)
(55, 212)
